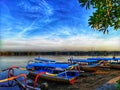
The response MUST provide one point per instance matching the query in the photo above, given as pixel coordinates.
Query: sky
(51, 25)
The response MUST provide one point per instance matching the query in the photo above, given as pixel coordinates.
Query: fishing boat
(85, 65)
(19, 81)
(44, 60)
(113, 63)
(41, 60)
(58, 72)
(115, 66)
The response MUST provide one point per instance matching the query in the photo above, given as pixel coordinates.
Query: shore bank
(88, 82)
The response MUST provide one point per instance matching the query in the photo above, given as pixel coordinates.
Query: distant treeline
(77, 53)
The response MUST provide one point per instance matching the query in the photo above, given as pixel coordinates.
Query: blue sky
(50, 25)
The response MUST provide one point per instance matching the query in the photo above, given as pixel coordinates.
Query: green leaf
(107, 14)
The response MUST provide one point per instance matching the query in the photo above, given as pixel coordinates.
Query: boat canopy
(106, 59)
(53, 65)
(82, 60)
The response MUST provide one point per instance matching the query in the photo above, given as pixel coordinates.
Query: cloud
(59, 44)
(49, 25)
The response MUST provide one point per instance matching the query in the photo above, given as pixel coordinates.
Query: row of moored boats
(52, 70)
(67, 72)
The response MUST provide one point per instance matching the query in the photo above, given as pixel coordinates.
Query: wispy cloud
(69, 44)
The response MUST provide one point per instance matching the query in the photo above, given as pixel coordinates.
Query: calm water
(21, 61)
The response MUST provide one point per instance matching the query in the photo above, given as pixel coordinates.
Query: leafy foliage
(118, 84)
(107, 14)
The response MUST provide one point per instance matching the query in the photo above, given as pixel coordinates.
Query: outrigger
(15, 82)
(85, 65)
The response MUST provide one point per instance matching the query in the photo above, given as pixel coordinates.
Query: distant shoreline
(76, 53)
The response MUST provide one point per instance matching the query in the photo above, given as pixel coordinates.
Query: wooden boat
(41, 60)
(90, 68)
(86, 65)
(100, 59)
(44, 60)
(113, 63)
(58, 72)
(115, 66)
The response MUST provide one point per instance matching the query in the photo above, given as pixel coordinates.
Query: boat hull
(115, 66)
(54, 78)
(89, 69)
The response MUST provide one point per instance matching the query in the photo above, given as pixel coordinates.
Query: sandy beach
(89, 81)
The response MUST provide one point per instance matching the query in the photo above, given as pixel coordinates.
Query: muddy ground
(87, 81)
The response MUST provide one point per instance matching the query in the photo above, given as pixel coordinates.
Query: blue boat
(44, 60)
(59, 72)
(111, 62)
(41, 60)
(85, 65)
(115, 66)
(105, 59)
